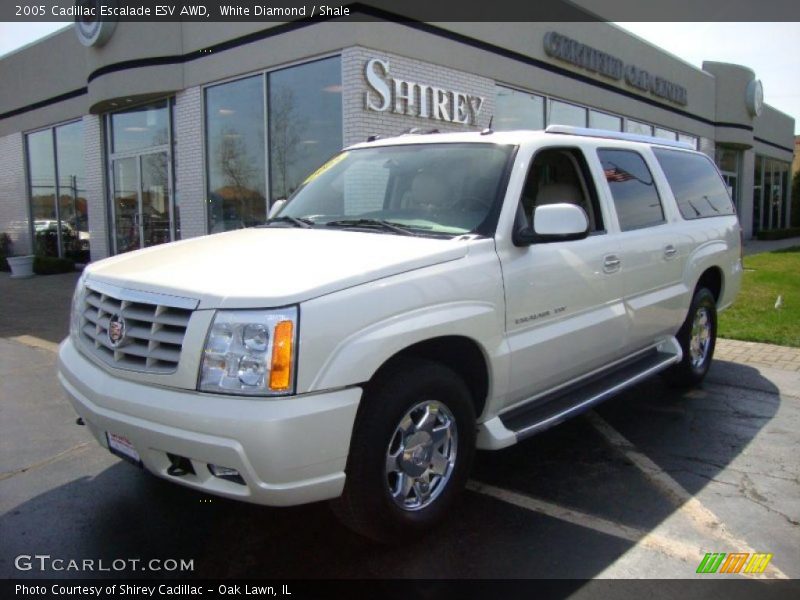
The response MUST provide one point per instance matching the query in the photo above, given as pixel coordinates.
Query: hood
(267, 267)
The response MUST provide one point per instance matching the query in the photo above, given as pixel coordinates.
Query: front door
(564, 311)
(141, 197)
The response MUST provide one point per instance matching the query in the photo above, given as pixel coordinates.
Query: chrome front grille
(154, 328)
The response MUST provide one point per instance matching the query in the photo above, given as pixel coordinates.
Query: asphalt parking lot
(642, 487)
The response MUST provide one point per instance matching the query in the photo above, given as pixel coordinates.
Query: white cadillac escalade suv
(415, 299)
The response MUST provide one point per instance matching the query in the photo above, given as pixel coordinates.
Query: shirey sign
(402, 97)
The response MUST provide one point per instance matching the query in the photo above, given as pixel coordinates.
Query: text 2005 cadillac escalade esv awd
(416, 298)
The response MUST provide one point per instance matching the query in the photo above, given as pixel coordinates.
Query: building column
(96, 204)
(14, 213)
(190, 197)
(746, 192)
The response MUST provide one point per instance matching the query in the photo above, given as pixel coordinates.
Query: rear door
(651, 248)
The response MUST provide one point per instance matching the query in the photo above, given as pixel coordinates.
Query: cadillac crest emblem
(116, 330)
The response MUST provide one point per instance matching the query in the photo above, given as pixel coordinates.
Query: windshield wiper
(296, 221)
(378, 223)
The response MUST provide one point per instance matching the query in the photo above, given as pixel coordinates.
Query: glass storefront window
(42, 183)
(688, 139)
(664, 134)
(236, 154)
(517, 110)
(73, 209)
(305, 122)
(638, 127)
(561, 113)
(771, 194)
(56, 170)
(600, 120)
(140, 127)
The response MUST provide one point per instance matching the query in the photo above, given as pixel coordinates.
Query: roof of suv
(562, 133)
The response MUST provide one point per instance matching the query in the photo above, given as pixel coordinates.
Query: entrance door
(140, 160)
(141, 197)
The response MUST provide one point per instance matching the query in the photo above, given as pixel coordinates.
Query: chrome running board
(552, 409)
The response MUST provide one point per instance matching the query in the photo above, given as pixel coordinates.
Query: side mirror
(554, 223)
(275, 208)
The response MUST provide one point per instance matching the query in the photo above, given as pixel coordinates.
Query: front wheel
(697, 337)
(411, 452)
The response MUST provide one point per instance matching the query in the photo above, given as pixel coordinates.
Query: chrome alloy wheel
(421, 455)
(701, 337)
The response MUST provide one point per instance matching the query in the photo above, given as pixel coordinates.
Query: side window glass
(696, 184)
(632, 188)
(560, 176)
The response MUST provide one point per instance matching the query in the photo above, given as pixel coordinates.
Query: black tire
(366, 505)
(691, 371)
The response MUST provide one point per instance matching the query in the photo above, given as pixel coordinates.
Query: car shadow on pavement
(122, 512)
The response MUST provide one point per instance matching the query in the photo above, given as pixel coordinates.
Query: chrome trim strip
(130, 295)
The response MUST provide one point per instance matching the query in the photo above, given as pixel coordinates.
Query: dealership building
(118, 136)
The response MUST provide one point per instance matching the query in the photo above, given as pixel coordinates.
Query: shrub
(778, 234)
(50, 265)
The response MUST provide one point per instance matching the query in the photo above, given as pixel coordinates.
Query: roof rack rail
(616, 135)
(418, 131)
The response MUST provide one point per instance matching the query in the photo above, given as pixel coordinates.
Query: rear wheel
(697, 337)
(410, 454)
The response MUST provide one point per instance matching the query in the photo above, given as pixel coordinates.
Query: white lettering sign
(413, 99)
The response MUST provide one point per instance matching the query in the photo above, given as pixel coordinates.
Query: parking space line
(705, 521)
(42, 463)
(35, 342)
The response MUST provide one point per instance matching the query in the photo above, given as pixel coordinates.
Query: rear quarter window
(697, 186)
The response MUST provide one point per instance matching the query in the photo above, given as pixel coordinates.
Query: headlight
(250, 352)
(76, 310)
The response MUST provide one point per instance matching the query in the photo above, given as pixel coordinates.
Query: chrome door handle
(670, 251)
(611, 263)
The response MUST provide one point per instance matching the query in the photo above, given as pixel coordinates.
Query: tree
(284, 138)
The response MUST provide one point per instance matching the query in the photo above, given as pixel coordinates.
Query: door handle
(670, 252)
(611, 263)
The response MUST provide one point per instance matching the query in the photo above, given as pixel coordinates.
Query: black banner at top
(210, 11)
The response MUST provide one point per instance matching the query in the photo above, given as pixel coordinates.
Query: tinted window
(599, 120)
(517, 110)
(235, 154)
(305, 122)
(695, 183)
(140, 127)
(561, 113)
(633, 189)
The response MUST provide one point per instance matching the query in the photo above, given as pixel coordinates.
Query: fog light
(226, 473)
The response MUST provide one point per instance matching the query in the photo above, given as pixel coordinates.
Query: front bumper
(287, 450)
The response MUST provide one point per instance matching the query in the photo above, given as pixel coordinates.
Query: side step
(562, 404)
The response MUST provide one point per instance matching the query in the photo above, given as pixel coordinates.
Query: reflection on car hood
(271, 266)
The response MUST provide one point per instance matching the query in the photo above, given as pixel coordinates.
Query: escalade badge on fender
(116, 330)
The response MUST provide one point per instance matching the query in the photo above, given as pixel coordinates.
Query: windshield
(434, 189)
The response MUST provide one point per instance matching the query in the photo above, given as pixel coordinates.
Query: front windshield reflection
(447, 188)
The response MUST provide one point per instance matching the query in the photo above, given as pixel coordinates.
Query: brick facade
(13, 195)
(96, 186)
(189, 163)
(359, 123)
